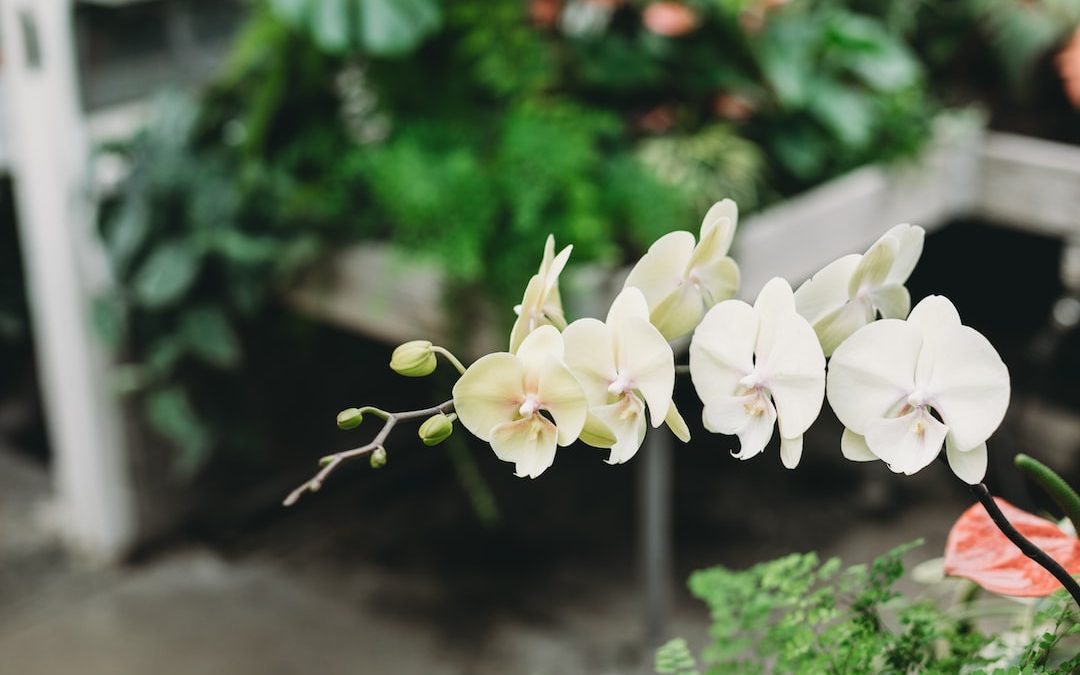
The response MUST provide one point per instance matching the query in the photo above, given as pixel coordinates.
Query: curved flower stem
(1024, 544)
(331, 462)
(449, 357)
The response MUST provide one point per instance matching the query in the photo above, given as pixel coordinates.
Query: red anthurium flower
(976, 549)
(670, 19)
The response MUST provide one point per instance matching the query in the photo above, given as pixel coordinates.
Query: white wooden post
(50, 158)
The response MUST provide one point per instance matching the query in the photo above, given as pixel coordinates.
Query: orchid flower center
(621, 385)
(529, 406)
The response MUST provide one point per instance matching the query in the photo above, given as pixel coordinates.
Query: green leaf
(171, 414)
(210, 336)
(844, 112)
(110, 320)
(395, 27)
(166, 275)
(127, 230)
(330, 24)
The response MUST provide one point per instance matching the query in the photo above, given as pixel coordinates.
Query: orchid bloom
(681, 281)
(754, 366)
(850, 292)
(541, 305)
(887, 381)
(624, 365)
(501, 396)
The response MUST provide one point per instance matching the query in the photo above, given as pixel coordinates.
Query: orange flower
(733, 107)
(1068, 63)
(670, 19)
(544, 13)
(658, 120)
(976, 549)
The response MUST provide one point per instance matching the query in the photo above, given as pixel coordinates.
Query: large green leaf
(166, 275)
(171, 414)
(395, 27)
(846, 113)
(210, 336)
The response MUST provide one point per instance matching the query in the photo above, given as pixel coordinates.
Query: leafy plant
(798, 614)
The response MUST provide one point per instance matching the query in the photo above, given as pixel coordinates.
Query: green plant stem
(331, 462)
(1024, 544)
(1054, 485)
(449, 357)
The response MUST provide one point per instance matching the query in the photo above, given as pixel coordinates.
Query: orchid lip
(621, 385)
(529, 406)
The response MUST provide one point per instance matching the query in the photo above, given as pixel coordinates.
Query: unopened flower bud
(349, 418)
(436, 429)
(413, 359)
(378, 458)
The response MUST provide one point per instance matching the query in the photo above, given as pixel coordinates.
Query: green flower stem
(1060, 491)
(331, 462)
(377, 412)
(1024, 544)
(449, 357)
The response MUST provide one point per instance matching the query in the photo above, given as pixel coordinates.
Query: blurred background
(218, 217)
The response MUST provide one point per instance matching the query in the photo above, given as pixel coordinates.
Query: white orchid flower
(850, 292)
(624, 365)
(681, 280)
(500, 399)
(902, 388)
(541, 305)
(756, 366)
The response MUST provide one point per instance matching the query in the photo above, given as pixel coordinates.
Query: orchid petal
(489, 393)
(717, 232)
(646, 360)
(910, 238)
(561, 395)
(791, 450)
(872, 372)
(892, 300)
(722, 349)
(590, 354)
(626, 420)
(826, 291)
(543, 343)
(969, 466)
(659, 271)
(854, 447)
(630, 302)
(908, 443)
(719, 279)
(934, 314)
(529, 443)
(840, 324)
(874, 267)
(795, 375)
(774, 302)
(968, 385)
(759, 419)
(679, 312)
(677, 424)
(596, 433)
(527, 319)
(551, 276)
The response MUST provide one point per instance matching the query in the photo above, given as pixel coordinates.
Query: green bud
(349, 418)
(436, 429)
(378, 458)
(413, 359)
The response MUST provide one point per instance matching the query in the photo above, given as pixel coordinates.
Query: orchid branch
(1025, 545)
(331, 462)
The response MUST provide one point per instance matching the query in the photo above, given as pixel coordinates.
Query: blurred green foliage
(800, 615)
(466, 131)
